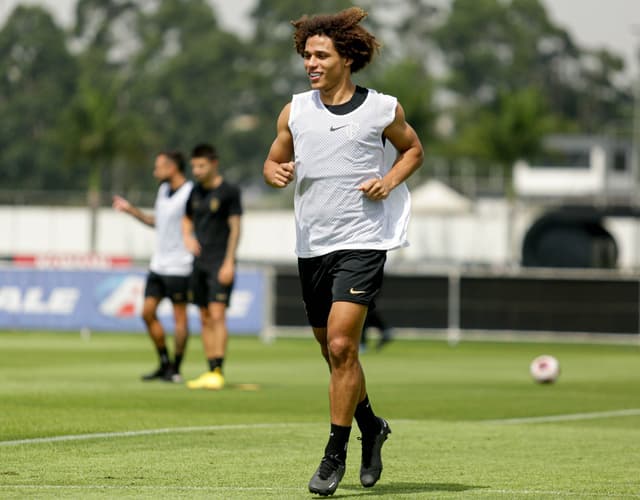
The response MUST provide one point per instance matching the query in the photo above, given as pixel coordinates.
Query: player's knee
(341, 349)
(148, 315)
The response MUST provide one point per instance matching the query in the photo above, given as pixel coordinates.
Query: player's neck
(339, 94)
(176, 182)
(213, 182)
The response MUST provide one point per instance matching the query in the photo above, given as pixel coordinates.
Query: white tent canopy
(435, 197)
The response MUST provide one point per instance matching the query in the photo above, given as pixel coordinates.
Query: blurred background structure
(531, 139)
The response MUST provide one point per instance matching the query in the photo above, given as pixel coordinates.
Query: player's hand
(282, 174)
(120, 204)
(375, 189)
(193, 246)
(225, 273)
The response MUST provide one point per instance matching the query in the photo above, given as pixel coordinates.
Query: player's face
(324, 66)
(162, 168)
(203, 169)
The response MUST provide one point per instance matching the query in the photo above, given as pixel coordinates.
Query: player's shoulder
(197, 190)
(304, 102)
(381, 96)
(307, 94)
(230, 186)
(302, 98)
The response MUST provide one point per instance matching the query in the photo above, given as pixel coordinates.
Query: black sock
(215, 363)
(177, 362)
(367, 421)
(338, 441)
(164, 356)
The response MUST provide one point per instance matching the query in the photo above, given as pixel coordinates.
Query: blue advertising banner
(111, 300)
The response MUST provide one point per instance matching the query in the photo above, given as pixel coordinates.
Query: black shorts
(344, 275)
(162, 285)
(205, 288)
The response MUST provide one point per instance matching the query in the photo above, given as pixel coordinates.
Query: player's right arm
(278, 168)
(188, 236)
(122, 205)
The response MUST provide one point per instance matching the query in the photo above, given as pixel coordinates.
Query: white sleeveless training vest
(170, 256)
(334, 154)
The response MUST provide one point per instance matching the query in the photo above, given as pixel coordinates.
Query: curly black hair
(350, 39)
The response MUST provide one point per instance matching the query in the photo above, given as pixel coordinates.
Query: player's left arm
(227, 270)
(410, 157)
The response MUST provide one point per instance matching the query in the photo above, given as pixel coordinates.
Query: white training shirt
(170, 256)
(334, 154)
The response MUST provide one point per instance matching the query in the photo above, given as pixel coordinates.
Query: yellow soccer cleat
(209, 380)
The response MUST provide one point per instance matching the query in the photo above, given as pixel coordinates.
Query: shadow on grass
(401, 488)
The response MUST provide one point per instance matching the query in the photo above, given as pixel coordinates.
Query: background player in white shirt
(171, 262)
(350, 209)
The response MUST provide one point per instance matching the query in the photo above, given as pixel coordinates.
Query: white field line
(631, 412)
(171, 430)
(147, 432)
(143, 487)
(267, 489)
(555, 493)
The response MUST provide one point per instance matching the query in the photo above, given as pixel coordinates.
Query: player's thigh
(150, 306)
(180, 314)
(346, 319)
(217, 311)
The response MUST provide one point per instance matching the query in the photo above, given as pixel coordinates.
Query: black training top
(210, 210)
(356, 100)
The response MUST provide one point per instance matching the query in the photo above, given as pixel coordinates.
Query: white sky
(614, 24)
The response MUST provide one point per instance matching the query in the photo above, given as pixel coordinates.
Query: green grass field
(76, 421)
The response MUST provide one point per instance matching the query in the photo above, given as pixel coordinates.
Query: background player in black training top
(211, 231)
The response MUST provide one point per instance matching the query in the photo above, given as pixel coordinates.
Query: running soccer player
(211, 232)
(171, 262)
(349, 210)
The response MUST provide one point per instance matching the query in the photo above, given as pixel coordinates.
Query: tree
(512, 131)
(38, 80)
(494, 47)
(191, 87)
(104, 138)
(408, 81)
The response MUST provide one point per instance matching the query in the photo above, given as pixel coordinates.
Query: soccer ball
(545, 369)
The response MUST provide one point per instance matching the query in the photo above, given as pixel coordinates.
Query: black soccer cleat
(171, 375)
(329, 474)
(371, 466)
(160, 374)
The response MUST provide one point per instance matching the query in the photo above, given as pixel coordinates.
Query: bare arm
(227, 270)
(188, 236)
(122, 205)
(278, 168)
(410, 156)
